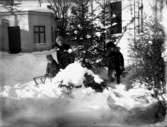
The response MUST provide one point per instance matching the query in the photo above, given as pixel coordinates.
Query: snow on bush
(74, 74)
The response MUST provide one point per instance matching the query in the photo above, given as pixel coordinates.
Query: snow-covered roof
(28, 5)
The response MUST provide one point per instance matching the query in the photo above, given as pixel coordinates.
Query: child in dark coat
(115, 62)
(51, 70)
(52, 67)
(119, 62)
(64, 56)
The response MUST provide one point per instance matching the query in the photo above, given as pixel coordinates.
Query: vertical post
(91, 6)
(39, 2)
(105, 36)
(134, 21)
(104, 3)
(155, 12)
(141, 15)
(138, 15)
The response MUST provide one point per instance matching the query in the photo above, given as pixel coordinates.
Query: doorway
(14, 39)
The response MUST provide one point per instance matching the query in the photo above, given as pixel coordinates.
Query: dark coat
(115, 60)
(52, 69)
(64, 58)
(119, 61)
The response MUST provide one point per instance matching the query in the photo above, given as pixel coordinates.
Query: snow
(72, 74)
(21, 68)
(40, 105)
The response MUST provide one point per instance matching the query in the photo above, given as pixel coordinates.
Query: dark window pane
(39, 34)
(42, 29)
(36, 38)
(42, 38)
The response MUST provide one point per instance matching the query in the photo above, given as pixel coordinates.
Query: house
(27, 26)
(30, 26)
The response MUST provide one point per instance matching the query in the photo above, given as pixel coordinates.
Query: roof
(31, 12)
(29, 5)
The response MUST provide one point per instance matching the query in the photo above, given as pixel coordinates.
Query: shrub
(147, 51)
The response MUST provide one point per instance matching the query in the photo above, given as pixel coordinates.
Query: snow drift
(47, 104)
(72, 74)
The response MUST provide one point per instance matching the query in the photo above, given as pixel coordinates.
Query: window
(116, 17)
(39, 34)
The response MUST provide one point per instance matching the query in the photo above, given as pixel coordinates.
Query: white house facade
(26, 28)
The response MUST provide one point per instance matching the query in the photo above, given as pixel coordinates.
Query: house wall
(26, 21)
(4, 46)
(127, 30)
(25, 33)
(19, 19)
(42, 19)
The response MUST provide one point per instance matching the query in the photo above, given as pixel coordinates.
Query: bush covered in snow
(147, 51)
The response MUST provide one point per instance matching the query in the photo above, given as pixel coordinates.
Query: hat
(49, 57)
(59, 38)
(110, 45)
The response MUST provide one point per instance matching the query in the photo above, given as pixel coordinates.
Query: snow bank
(74, 74)
(20, 68)
(132, 98)
(48, 102)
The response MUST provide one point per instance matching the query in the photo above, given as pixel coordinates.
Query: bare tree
(11, 6)
(61, 9)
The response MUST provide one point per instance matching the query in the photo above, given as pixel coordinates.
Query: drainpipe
(39, 1)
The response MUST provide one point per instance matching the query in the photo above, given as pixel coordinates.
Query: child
(52, 67)
(64, 53)
(51, 70)
(115, 62)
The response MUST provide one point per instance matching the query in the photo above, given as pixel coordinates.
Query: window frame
(39, 31)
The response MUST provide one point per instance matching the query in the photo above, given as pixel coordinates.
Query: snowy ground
(21, 68)
(25, 105)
